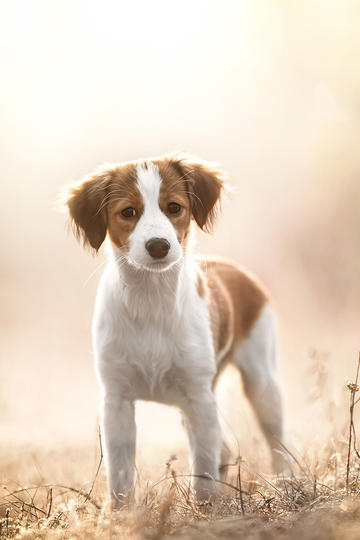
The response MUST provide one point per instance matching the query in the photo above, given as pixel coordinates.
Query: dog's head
(146, 207)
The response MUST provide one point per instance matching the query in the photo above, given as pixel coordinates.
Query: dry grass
(320, 500)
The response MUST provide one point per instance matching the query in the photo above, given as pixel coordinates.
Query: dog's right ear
(86, 201)
(205, 184)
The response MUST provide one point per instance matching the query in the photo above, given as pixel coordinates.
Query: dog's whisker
(101, 265)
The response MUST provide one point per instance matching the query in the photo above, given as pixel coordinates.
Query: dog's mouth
(154, 266)
(159, 266)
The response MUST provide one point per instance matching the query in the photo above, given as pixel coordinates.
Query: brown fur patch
(94, 204)
(84, 200)
(174, 189)
(124, 193)
(203, 183)
(236, 301)
(221, 312)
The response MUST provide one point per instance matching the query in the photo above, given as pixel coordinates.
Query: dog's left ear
(205, 183)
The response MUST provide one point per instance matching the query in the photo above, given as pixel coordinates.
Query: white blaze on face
(153, 223)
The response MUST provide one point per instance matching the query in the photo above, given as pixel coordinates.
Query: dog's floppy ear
(205, 183)
(86, 201)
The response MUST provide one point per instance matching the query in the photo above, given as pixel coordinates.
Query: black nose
(158, 247)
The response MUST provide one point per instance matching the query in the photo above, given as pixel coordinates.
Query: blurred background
(269, 89)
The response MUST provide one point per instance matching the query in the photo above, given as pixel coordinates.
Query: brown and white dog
(166, 324)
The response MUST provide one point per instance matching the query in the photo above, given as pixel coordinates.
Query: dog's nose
(158, 247)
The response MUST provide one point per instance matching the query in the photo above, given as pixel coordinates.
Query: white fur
(152, 341)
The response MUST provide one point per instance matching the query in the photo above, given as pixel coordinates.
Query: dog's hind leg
(255, 357)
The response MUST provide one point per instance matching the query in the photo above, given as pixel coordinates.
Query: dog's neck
(152, 295)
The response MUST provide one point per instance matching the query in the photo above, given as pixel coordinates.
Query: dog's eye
(128, 212)
(174, 208)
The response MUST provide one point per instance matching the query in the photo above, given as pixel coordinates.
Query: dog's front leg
(202, 425)
(118, 421)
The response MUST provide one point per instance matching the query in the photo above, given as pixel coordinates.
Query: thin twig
(292, 455)
(31, 504)
(97, 470)
(7, 515)
(353, 387)
(163, 479)
(240, 487)
(46, 486)
(20, 508)
(50, 503)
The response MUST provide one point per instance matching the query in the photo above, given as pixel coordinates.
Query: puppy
(165, 324)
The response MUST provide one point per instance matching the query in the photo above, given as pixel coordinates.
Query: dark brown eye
(174, 208)
(128, 212)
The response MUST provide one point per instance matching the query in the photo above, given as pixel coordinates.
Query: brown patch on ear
(205, 183)
(86, 201)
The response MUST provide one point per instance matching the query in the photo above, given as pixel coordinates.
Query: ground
(62, 493)
(315, 502)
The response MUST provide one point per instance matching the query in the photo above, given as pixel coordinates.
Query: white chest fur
(152, 336)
